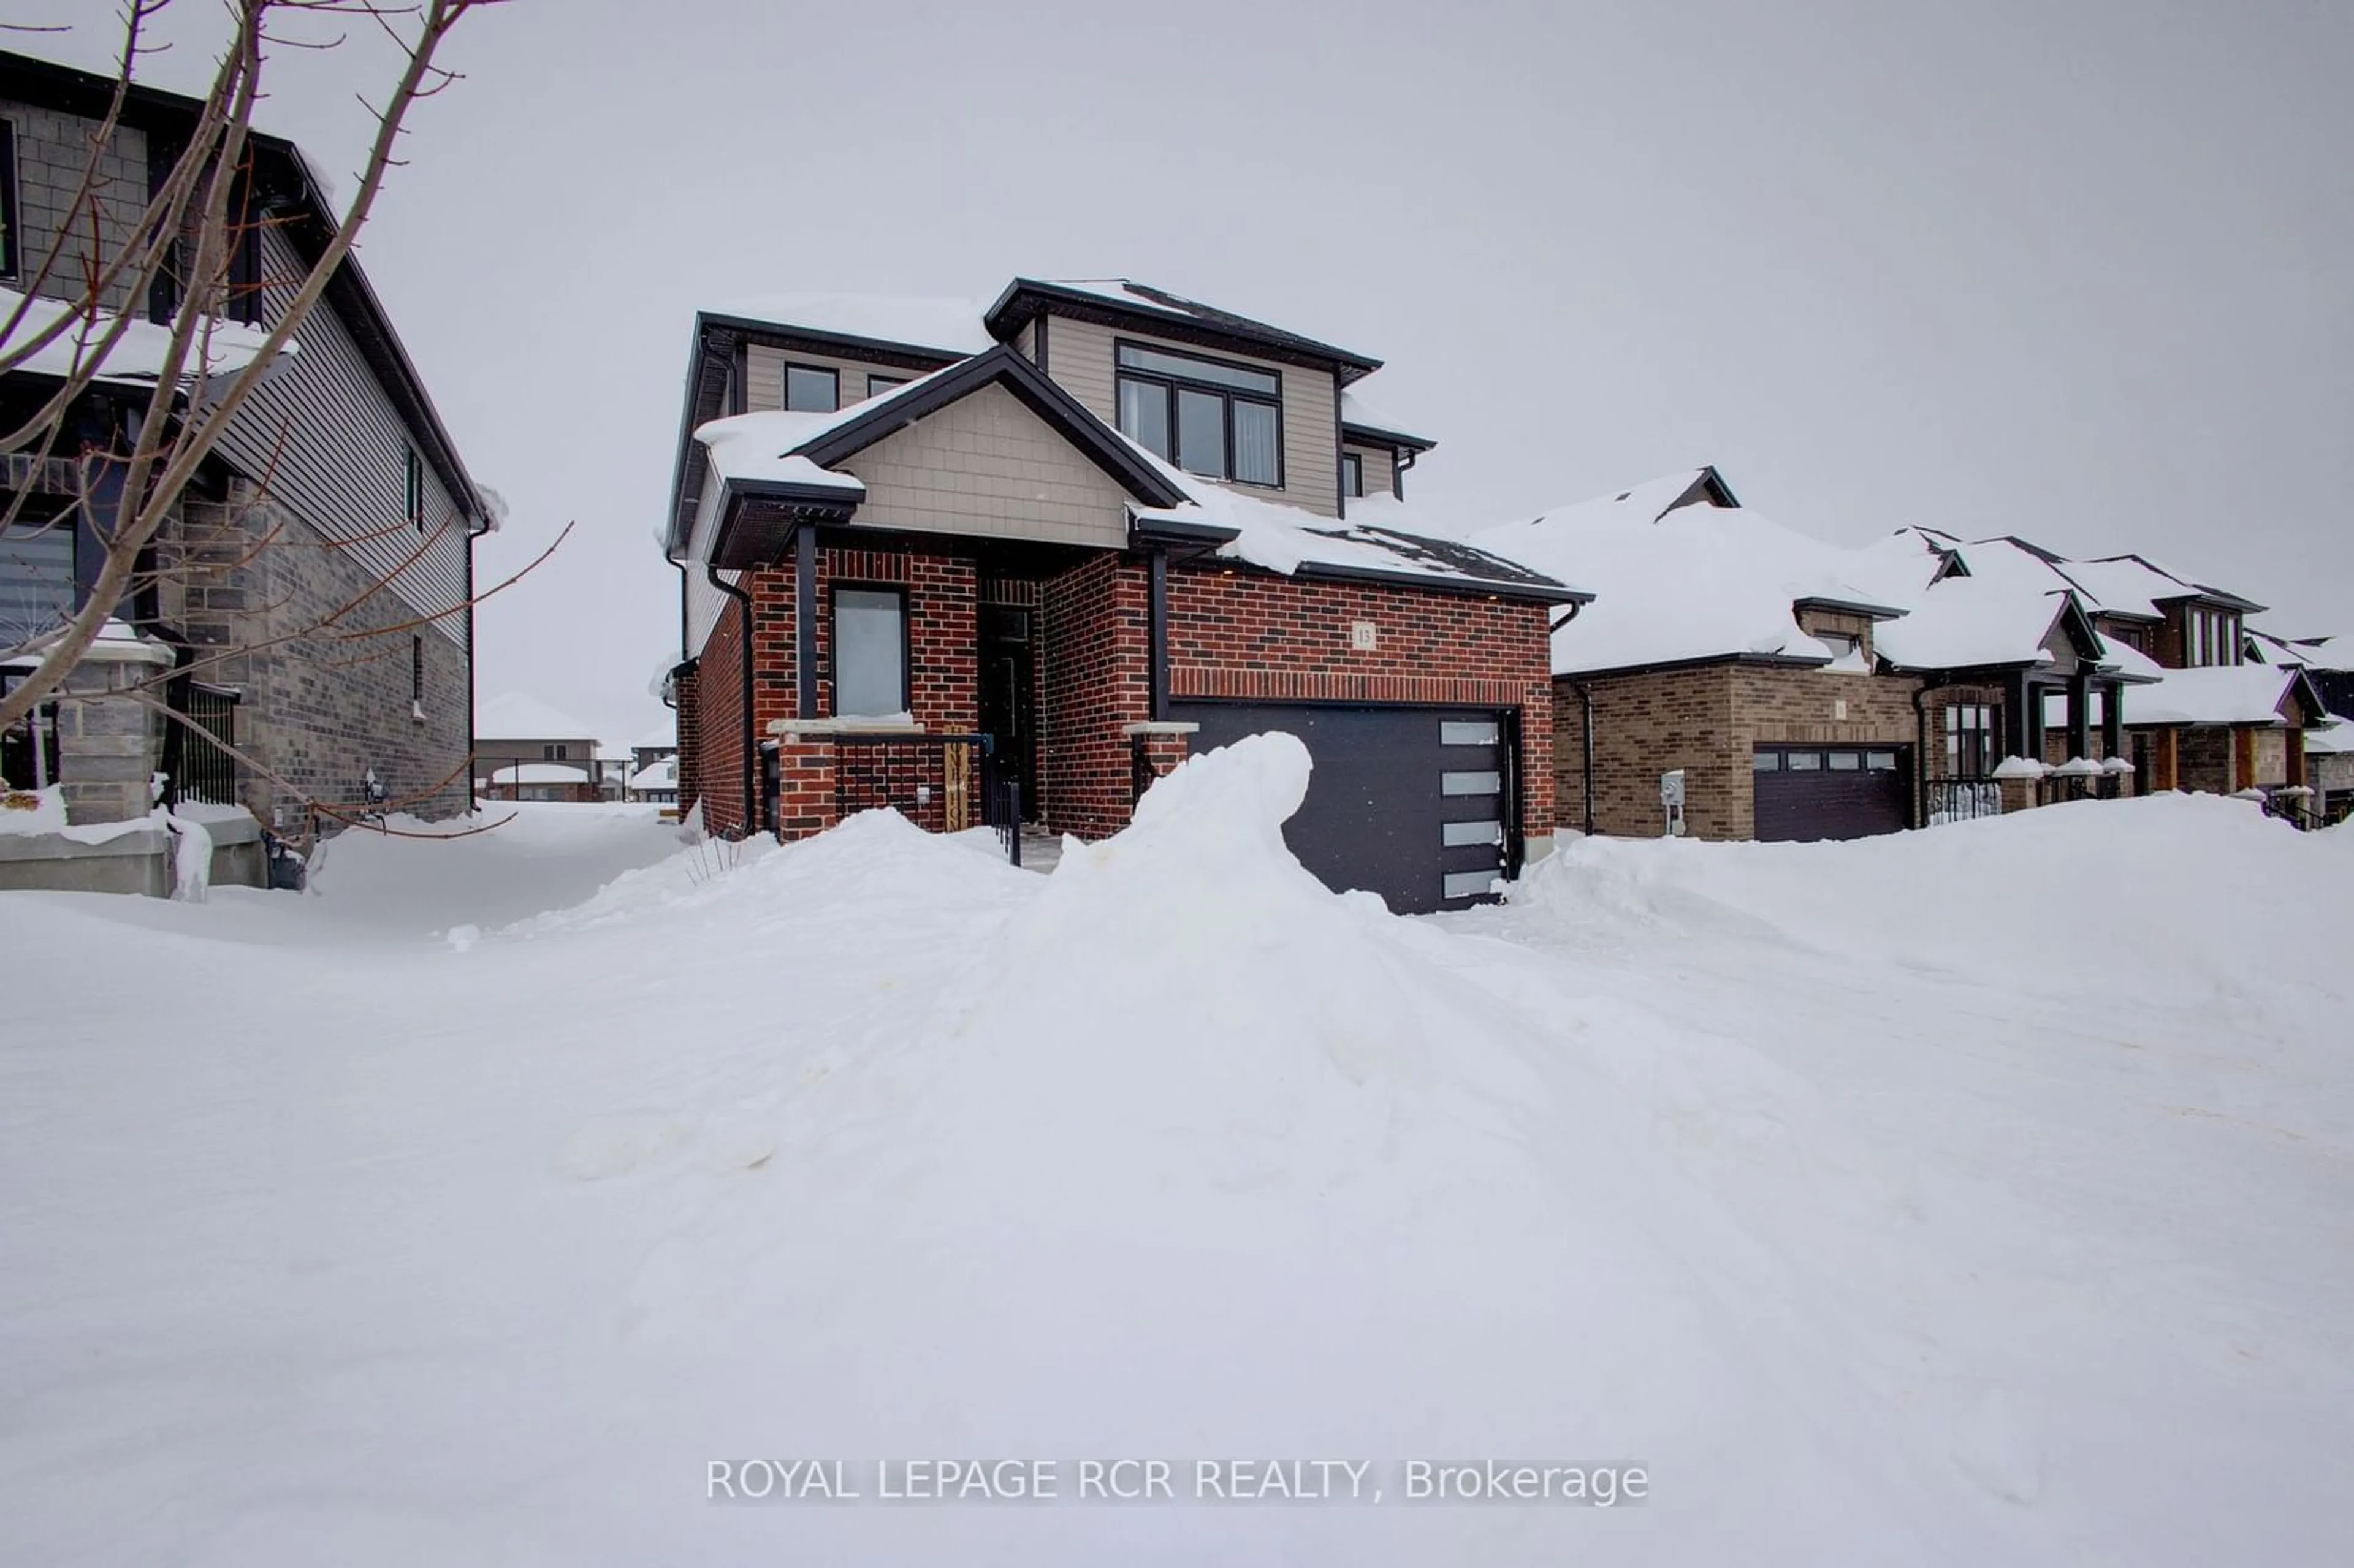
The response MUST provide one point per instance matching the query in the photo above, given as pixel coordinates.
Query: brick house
(948, 559)
(1800, 691)
(2219, 716)
(335, 491)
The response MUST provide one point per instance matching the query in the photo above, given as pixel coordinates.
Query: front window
(1208, 416)
(1969, 740)
(870, 652)
(37, 575)
(810, 390)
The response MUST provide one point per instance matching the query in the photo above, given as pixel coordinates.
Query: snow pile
(34, 810)
(192, 858)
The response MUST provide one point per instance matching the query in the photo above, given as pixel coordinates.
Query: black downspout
(805, 621)
(1157, 625)
(1585, 704)
(751, 744)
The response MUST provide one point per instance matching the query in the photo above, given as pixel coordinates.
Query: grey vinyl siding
(704, 606)
(322, 434)
(52, 151)
(1080, 356)
(764, 375)
(1379, 477)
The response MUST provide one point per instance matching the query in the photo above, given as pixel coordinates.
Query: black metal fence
(1960, 801)
(195, 766)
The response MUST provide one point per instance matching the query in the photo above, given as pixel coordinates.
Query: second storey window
(878, 385)
(412, 487)
(37, 574)
(8, 259)
(1210, 418)
(555, 753)
(809, 390)
(1352, 476)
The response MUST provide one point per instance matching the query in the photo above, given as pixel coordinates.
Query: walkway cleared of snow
(1965, 1197)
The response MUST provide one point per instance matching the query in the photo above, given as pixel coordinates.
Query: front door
(1009, 693)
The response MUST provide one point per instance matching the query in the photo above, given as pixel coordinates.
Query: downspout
(1401, 459)
(1157, 634)
(751, 777)
(1586, 729)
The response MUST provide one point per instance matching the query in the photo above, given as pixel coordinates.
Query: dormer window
(1218, 419)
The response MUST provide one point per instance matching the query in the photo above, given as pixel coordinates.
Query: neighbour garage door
(1830, 792)
(1411, 803)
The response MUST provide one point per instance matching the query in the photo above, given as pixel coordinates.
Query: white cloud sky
(2074, 272)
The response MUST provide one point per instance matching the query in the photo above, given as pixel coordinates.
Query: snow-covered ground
(1968, 1197)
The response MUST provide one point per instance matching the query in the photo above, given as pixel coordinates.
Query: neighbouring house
(337, 494)
(1787, 688)
(1014, 561)
(653, 747)
(656, 782)
(526, 750)
(2217, 717)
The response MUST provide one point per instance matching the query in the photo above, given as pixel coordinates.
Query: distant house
(656, 782)
(336, 485)
(523, 742)
(1792, 689)
(653, 747)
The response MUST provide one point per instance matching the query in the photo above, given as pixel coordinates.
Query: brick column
(1166, 743)
(805, 798)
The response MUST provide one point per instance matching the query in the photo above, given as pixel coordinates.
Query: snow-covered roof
(662, 775)
(1379, 536)
(138, 356)
(2132, 585)
(944, 325)
(1964, 622)
(2216, 693)
(664, 733)
(1703, 582)
(1357, 413)
(2332, 740)
(513, 716)
(539, 773)
(762, 446)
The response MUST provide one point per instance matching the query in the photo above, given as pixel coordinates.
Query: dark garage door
(1411, 803)
(1830, 792)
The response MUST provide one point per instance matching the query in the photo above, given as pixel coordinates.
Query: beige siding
(987, 466)
(1025, 342)
(764, 371)
(1378, 478)
(1080, 356)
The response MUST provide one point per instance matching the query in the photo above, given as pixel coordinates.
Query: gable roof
(1699, 584)
(1973, 623)
(2134, 586)
(1123, 299)
(949, 328)
(2227, 695)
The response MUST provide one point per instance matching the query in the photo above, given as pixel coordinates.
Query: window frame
(1970, 737)
(417, 674)
(785, 387)
(834, 643)
(1169, 383)
(412, 486)
(878, 385)
(1352, 476)
(11, 261)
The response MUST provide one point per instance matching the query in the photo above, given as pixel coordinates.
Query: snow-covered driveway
(1974, 1196)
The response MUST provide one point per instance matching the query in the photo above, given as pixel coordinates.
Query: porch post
(2021, 721)
(1157, 629)
(2113, 718)
(2080, 714)
(805, 619)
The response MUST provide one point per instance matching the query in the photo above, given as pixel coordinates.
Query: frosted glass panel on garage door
(1467, 732)
(1471, 783)
(1456, 835)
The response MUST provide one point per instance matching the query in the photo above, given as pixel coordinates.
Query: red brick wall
(690, 742)
(945, 672)
(1245, 634)
(1094, 642)
(719, 724)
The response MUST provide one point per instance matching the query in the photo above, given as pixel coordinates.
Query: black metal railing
(195, 766)
(1139, 769)
(1000, 802)
(1960, 800)
(2295, 809)
(2053, 788)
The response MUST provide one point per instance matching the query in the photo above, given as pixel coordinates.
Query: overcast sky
(2077, 272)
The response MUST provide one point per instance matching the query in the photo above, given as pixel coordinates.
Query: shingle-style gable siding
(1080, 356)
(52, 149)
(987, 466)
(322, 434)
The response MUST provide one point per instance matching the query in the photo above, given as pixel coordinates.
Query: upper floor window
(412, 487)
(2211, 637)
(878, 385)
(8, 259)
(809, 390)
(1352, 475)
(555, 753)
(1208, 416)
